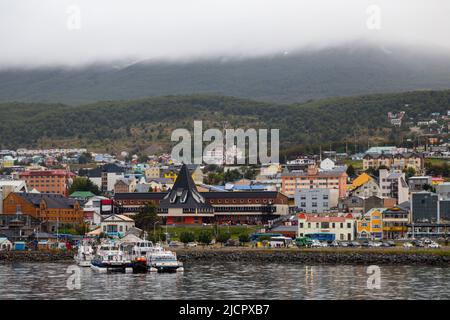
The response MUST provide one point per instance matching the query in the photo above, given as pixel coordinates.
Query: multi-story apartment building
(331, 228)
(314, 179)
(106, 176)
(316, 200)
(395, 161)
(393, 185)
(48, 181)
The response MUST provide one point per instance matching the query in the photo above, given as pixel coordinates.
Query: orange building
(314, 179)
(48, 181)
(50, 208)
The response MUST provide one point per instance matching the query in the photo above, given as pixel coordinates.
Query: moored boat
(84, 255)
(111, 258)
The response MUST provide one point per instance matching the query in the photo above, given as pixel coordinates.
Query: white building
(393, 185)
(327, 164)
(318, 200)
(336, 228)
(116, 225)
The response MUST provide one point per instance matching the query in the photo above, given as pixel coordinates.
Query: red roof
(311, 218)
(46, 173)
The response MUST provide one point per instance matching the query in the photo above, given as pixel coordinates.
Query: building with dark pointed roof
(184, 204)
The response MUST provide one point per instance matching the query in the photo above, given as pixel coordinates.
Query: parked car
(366, 244)
(418, 244)
(407, 245)
(376, 244)
(354, 244)
(191, 244)
(316, 244)
(174, 244)
(343, 244)
(232, 243)
(334, 243)
(391, 243)
(434, 245)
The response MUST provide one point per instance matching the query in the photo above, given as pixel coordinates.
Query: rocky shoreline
(35, 256)
(200, 255)
(357, 256)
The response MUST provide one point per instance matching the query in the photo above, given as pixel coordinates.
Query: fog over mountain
(273, 50)
(286, 77)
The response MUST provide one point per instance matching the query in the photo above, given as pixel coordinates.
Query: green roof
(82, 194)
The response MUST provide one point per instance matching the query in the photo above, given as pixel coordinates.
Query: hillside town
(386, 193)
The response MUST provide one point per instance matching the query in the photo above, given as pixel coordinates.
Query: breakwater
(337, 256)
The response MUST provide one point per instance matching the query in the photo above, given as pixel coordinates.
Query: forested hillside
(145, 125)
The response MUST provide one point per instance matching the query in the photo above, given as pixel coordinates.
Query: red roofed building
(314, 179)
(326, 228)
(48, 181)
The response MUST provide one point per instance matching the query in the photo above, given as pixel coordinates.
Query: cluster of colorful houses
(304, 196)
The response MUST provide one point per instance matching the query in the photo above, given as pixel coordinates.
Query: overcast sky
(49, 32)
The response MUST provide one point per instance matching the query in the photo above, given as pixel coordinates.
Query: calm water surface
(227, 281)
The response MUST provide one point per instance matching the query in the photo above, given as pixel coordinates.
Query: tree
(244, 237)
(223, 237)
(351, 171)
(83, 184)
(187, 236)
(410, 172)
(84, 158)
(146, 218)
(205, 237)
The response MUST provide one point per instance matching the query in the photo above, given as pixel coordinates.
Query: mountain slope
(287, 78)
(143, 125)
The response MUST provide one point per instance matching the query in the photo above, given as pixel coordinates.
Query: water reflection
(228, 281)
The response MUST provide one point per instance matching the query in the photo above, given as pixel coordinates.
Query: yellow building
(370, 226)
(7, 162)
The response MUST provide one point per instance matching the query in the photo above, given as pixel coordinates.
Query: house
(357, 205)
(366, 189)
(125, 185)
(116, 225)
(370, 226)
(5, 244)
(152, 172)
(51, 209)
(326, 228)
(327, 164)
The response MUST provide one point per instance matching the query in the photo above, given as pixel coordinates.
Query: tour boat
(111, 258)
(164, 261)
(84, 255)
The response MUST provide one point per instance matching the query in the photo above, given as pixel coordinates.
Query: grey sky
(36, 32)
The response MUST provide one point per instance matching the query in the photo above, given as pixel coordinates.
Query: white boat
(84, 255)
(161, 260)
(111, 258)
